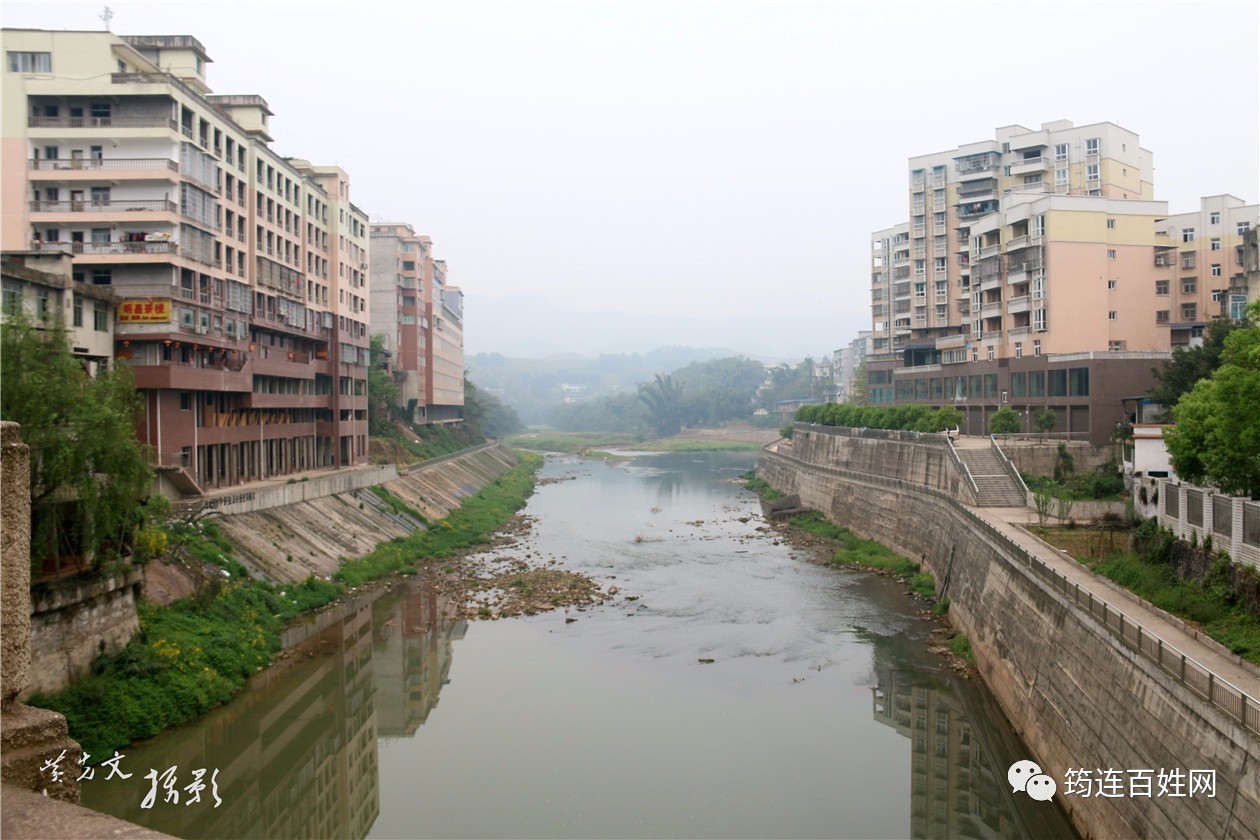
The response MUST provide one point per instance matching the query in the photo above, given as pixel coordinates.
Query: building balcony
(88, 169)
(990, 251)
(164, 248)
(991, 334)
(185, 377)
(110, 122)
(1017, 242)
(991, 309)
(157, 205)
(1017, 304)
(1027, 166)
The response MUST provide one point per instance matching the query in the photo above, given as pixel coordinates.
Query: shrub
(1005, 422)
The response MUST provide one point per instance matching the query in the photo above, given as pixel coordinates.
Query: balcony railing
(120, 121)
(103, 164)
(107, 247)
(158, 204)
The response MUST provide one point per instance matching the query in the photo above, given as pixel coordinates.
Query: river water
(821, 713)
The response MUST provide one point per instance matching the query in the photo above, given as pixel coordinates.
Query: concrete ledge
(26, 814)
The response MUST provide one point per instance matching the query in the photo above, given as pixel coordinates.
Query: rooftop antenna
(107, 16)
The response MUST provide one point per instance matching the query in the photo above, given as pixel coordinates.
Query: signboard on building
(144, 311)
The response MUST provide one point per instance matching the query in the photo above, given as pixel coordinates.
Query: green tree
(382, 390)
(1006, 421)
(1044, 420)
(1187, 367)
(663, 398)
(487, 415)
(89, 474)
(1216, 439)
(860, 385)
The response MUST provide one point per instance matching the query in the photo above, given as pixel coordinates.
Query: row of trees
(914, 418)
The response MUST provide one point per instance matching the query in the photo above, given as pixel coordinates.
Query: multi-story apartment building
(241, 275)
(1201, 259)
(397, 273)
(1025, 278)
(41, 287)
(846, 362)
(421, 320)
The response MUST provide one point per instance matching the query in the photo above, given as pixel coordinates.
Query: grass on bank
(468, 525)
(195, 654)
(1148, 573)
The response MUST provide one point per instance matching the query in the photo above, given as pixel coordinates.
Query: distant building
(421, 320)
(1037, 271)
(41, 286)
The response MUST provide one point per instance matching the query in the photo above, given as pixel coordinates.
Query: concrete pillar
(15, 584)
(30, 738)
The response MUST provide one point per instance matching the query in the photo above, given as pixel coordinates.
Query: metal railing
(107, 247)
(1008, 466)
(107, 206)
(103, 122)
(962, 468)
(104, 164)
(1201, 680)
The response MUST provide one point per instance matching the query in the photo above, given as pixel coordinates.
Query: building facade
(240, 275)
(1037, 271)
(41, 286)
(420, 318)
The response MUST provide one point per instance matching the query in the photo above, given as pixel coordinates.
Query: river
(732, 688)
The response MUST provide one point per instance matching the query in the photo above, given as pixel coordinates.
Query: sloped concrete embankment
(311, 537)
(1077, 695)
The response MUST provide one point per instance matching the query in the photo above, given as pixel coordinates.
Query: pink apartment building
(240, 275)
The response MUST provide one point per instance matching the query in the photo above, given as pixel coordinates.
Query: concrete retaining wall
(1036, 457)
(74, 621)
(1078, 696)
(312, 536)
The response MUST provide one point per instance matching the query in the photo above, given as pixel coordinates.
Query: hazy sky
(677, 157)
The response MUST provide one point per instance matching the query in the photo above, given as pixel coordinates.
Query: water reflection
(774, 739)
(297, 751)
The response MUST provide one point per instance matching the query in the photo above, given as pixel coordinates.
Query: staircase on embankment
(995, 487)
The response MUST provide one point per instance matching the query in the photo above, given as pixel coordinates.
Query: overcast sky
(679, 157)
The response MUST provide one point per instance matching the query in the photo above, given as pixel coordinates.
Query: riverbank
(193, 655)
(828, 544)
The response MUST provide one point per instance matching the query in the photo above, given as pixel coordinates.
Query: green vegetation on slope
(469, 525)
(196, 653)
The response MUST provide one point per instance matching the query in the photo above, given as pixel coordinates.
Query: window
(1190, 286)
(1161, 316)
(1056, 383)
(1091, 146)
(1111, 284)
(185, 400)
(41, 304)
(77, 311)
(1019, 381)
(1218, 295)
(1078, 382)
(1237, 306)
(1214, 218)
(1187, 259)
(100, 316)
(1091, 172)
(1037, 347)
(1060, 177)
(1111, 224)
(102, 111)
(1216, 243)
(1161, 287)
(1019, 354)
(1189, 311)
(1111, 253)
(1111, 316)
(990, 352)
(30, 62)
(1187, 235)
(102, 276)
(1216, 269)
(1061, 152)
(1115, 346)
(1037, 383)
(1243, 227)
(100, 235)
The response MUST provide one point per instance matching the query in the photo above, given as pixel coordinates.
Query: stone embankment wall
(290, 541)
(76, 620)
(1078, 697)
(921, 458)
(1036, 456)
